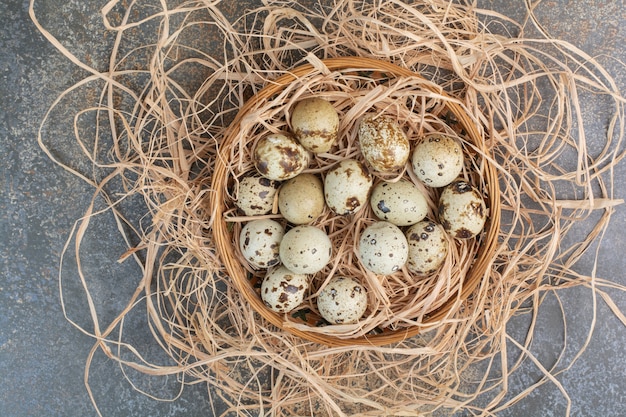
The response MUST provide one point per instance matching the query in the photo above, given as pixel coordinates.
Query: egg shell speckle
(315, 124)
(437, 160)
(305, 249)
(428, 247)
(347, 186)
(400, 203)
(342, 301)
(383, 143)
(301, 199)
(282, 290)
(255, 195)
(279, 157)
(383, 248)
(259, 242)
(462, 210)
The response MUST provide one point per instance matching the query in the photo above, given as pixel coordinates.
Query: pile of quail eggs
(401, 235)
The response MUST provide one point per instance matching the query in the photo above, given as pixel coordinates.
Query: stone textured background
(42, 355)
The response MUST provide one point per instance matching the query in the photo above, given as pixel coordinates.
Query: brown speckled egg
(462, 210)
(383, 143)
(301, 199)
(305, 249)
(282, 290)
(342, 301)
(280, 157)
(259, 242)
(255, 195)
(347, 186)
(437, 160)
(383, 248)
(315, 124)
(428, 247)
(400, 203)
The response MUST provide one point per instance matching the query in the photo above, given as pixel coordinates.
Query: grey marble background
(42, 355)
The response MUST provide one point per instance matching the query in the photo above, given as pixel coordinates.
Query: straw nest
(179, 124)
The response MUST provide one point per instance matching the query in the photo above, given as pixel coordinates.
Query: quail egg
(383, 143)
(301, 199)
(259, 242)
(383, 248)
(305, 249)
(346, 187)
(428, 247)
(462, 210)
(400, 203)
(255, 195)
(437, 160)
(315, 123)
(282, 290)
(280, 157)
(342, 301)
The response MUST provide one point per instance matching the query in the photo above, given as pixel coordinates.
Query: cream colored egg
(315, 124)
(400, 203)
(342, 301)
(301, 199)
(462, 210)
(428, 247)
(383, 248)
(255, 195)
(383, 143)
(282, 290)
(305, 249)
(259, 242)
(280, 157)
(347, 186)
(437, 160)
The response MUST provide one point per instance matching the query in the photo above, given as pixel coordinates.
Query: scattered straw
(169, 104)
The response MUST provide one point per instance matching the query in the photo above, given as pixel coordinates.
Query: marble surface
(42, 355)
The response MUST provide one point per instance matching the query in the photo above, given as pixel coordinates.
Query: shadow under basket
(223, 234)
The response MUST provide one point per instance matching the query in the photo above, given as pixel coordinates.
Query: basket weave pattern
(224, 235)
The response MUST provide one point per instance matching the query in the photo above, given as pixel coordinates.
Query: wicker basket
(223, 237)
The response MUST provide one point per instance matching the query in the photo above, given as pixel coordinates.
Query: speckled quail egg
(305, 249)
(383, 143)
(462, 210)
(259, 242)
(280, 157)
(400, 203)
(315, 123)
(383, 248)
(255, 195)
(347, 186)
(301, 199)
(282, 290)
(428, 247)
(437, 160)
(342, 301)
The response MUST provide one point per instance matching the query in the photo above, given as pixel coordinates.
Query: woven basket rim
(223, 238)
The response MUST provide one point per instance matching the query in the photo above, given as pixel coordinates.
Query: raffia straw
(166, 135)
